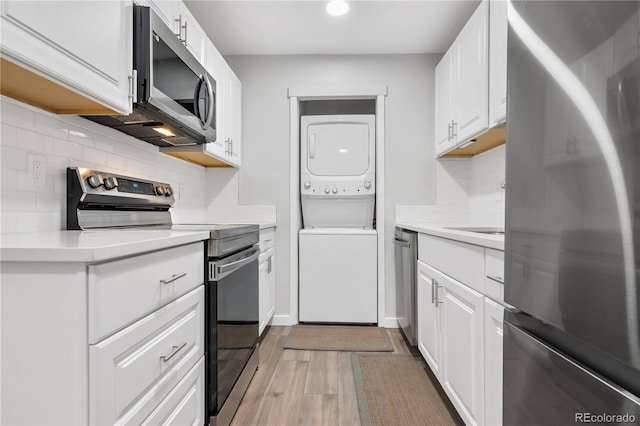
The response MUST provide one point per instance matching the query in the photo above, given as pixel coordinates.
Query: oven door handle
(217, 272)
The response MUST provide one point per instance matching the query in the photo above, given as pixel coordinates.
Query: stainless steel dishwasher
(406, 257)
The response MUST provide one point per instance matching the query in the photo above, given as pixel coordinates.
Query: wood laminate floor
(294, 387)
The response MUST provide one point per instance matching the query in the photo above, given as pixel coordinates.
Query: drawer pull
(267, 241)
(496, 278)
(173, 278)
(174, 351)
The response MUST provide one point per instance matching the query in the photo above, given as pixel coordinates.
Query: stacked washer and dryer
(338, 242)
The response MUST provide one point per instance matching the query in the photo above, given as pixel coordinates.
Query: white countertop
(89, 246)
(440, 230)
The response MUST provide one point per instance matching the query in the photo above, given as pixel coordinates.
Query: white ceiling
(303, 27)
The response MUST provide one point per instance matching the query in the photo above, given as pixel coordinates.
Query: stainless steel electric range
(102, 200)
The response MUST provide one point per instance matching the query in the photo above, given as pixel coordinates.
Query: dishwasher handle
(402, 243)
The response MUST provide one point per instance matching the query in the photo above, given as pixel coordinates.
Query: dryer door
(338, 148)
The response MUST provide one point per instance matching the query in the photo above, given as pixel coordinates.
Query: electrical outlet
(37, 170)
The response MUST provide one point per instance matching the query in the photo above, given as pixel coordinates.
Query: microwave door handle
(196, 101)
(212, 103)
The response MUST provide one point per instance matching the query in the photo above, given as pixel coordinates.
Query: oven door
(233, 321)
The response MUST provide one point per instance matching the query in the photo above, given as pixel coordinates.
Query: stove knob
(307, 185)
(94, 181)
(110, 182)
(334, 190)
(367, 185)
(160, 190)
(168, 191)
(326, 190)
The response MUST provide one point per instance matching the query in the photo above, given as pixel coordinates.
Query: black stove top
(218, 231)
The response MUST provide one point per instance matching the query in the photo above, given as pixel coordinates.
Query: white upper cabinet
(472, 77)
(469, 98)
(184, 25)
(85, 47)
(498, 27)
(234, 117)
(444, 101)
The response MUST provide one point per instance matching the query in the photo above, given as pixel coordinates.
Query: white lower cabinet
(459, 327)
(118, 342)
(185, 404)
(267, 288)
(463, 349)
(493, 324)
(429, 319)
(131, 370)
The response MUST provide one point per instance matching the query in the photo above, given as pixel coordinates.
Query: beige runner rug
(397, 390)
(338, 338)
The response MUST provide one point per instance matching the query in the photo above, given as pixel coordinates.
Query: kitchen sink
(480, 230)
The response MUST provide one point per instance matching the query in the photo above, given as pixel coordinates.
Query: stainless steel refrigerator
(572, 341)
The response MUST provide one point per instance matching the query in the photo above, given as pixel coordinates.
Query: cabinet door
(429, 319)
(471, 107)
(262, 292)
(183, 24)
(463, 350)
(271, 285)
(444, 102)
(493, 318)
(84, 46)
(497, 61)
(235, 118)
(219, 70)
(192, 34)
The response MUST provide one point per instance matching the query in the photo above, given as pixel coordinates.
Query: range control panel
(96, 182)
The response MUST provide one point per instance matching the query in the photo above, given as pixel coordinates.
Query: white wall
(264, 176)
(73, 141)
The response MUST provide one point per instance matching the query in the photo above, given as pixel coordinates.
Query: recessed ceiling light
(337, 7)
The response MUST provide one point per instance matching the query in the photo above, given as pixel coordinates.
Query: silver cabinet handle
(226, 146)
(174, 351)
(231, 144)
(179, 33)
(173, 278)
(184, 26)
(449, 131)
(437, 299)
(433, 294)
(496, 278)
(454, 128)
(269, 264)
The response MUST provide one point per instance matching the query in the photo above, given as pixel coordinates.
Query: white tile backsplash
(75, 141)
(223, 200)
(468, 190)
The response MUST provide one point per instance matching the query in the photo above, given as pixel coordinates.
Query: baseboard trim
(391, 322)
(283, 320)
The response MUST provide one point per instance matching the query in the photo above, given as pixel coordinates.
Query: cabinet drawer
(132, 370)
(125, 290)
(494, 279)
(267, 239)
(464, 262)
(185, 404)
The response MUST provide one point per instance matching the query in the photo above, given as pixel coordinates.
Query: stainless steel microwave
(175, 97)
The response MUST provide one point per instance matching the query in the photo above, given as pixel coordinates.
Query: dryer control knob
(367, 185)
(307, 185)
(326, 190)
(334, 190)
